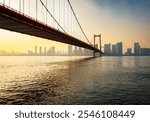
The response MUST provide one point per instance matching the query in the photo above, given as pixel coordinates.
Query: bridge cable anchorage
(52, 16)
(79, 22)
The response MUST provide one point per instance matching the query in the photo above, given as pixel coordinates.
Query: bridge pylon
(97, 36)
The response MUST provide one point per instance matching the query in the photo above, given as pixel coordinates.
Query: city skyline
(117, 50)
(108, 49)
(125, 20)
(50, 51)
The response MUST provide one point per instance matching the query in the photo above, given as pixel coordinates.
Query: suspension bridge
(49, 19)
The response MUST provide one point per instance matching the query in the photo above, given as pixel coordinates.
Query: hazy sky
(117, 20)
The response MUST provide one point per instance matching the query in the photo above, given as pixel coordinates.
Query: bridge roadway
(12, 20)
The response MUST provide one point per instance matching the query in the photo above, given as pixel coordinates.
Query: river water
(47, 80)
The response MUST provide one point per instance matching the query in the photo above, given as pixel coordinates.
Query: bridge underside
(14, 21)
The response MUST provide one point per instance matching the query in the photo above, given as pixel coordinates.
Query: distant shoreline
(44, 55)
(74, 55)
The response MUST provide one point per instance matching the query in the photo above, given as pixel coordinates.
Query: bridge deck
(14, 21)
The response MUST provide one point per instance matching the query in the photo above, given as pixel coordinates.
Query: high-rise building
(87, 52)
(145, 51)
(75, 51)
(114, 50)
(137, 49)
(40, 50)
(70, 50)
(119, 49)
(107, 49)
(30, 52)
(129, 52)
(45, 51)
(35, 50)
(49, 51)
(53, 50)
(79, 51)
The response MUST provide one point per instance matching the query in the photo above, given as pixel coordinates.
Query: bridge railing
(53, 13)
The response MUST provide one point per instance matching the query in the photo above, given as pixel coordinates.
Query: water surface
(74, 80)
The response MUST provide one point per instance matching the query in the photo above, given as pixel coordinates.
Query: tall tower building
(70, 50)
(79, 51)
(129, 52)
(137, 49)
(35, 50)
(114, 50)
(75, 51)
(107, 49)
(45, 51)
(40, 49)
(53, 50)
(119, 48)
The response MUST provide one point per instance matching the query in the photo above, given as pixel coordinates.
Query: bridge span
(13, 20)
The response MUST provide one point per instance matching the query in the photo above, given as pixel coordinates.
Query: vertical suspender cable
(46, 12)
(52, 16)
(68, 18)
(59, 10)
(23, 6)
(36, 9)
(29, 7)
(54, 12)
(64, 12)
(42, 14)
(70, 22)
(19, 5)
(78, 22)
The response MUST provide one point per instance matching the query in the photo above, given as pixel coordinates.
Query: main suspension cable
(52, 16)
(78, 22)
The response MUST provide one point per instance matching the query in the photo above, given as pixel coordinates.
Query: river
(35, 80)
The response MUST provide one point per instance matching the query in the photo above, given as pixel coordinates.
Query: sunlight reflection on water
(74, 80)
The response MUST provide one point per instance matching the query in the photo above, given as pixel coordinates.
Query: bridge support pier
(99, 36)
(94, 54)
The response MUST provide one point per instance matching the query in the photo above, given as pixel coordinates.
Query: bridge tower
(97, 36)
